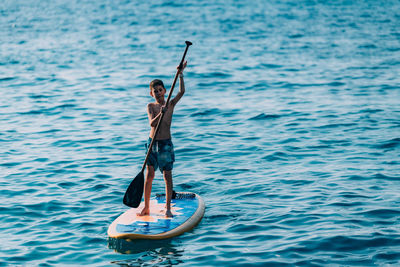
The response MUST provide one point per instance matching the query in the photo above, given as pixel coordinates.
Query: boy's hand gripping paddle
(133, 195)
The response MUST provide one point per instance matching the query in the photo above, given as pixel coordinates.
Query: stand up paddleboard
(187, 210)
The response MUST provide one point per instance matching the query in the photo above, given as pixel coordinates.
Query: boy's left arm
(181, 92)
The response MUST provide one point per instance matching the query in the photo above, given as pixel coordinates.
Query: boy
(162, 155)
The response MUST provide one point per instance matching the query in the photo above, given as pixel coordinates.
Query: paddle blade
(134, 193)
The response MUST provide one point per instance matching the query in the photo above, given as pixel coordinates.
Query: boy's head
(157, 87)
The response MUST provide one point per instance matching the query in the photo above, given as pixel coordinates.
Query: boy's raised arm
(181, 86)
(181, 90)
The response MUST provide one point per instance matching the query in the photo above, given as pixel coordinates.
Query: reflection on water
(149, 252)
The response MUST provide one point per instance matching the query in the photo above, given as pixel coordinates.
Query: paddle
(134, 193)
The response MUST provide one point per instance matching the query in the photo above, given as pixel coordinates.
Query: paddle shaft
(166, 105)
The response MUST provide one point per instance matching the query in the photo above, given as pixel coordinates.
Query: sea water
(289, 129)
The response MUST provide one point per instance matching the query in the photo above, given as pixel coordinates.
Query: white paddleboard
(187, 209)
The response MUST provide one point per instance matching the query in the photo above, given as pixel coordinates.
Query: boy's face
(158, 92)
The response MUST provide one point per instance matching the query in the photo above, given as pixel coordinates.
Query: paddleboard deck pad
(187, 209)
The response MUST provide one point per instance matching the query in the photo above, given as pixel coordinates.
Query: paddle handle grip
(166, 104)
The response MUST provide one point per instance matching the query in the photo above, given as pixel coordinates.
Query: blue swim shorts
(162, 155)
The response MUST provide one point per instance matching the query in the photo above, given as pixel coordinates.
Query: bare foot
(144, 212)
(168, 214)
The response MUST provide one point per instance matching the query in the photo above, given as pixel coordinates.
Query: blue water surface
(289, 129)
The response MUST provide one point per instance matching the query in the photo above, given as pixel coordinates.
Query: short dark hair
(156, 82)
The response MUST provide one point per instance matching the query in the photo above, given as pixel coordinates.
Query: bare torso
(165, 127)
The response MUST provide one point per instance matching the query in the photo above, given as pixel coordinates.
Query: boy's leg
(168, 191)
(147, 191)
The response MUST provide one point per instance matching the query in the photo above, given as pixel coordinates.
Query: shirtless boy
(162, 155)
